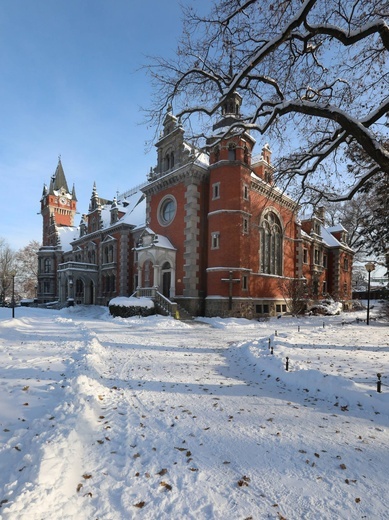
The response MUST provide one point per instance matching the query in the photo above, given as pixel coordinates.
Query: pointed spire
(94, 200)
(59, 179)
(74, 196)
(230, 71)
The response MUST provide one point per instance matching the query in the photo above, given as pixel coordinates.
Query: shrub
(128, 307)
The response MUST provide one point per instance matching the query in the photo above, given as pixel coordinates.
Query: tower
(229, 213)
(58, 206)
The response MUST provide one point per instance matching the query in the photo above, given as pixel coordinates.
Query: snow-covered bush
(127, 307)
(326, 307)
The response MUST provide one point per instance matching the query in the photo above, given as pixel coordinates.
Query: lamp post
(71, 297)
(13, 274)
(369, 268)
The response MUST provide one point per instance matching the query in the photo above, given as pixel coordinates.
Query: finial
(230, 72)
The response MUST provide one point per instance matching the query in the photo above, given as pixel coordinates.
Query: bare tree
(352, 214)
(27, 269)
(294, 292)
(7, 263)
(314, 76)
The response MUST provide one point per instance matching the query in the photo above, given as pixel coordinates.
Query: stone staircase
(163, 305)
(183, 314)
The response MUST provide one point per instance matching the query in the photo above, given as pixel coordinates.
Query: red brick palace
(211, 232)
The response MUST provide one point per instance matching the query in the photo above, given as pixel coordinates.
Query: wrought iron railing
(161, 301)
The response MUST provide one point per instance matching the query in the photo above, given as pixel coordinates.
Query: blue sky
(70, 85)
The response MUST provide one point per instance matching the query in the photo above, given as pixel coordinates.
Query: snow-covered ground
(152, 418)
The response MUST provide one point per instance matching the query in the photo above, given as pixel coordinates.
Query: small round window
(167, 210)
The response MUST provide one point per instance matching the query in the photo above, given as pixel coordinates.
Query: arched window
(271, 245)
(167, 162)
(172, 160)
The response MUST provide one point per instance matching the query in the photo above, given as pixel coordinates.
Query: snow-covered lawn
(153, 418)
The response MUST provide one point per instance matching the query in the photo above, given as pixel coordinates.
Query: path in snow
(182, 423)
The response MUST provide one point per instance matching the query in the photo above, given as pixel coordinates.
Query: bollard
(271, 351)
(298, 328)
(342, 323)
(287, 364)
(269, 342)
(275, 333)
(379, 383)
(324, 324)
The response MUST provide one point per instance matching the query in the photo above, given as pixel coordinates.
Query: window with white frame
(215, 240)
(216, 190)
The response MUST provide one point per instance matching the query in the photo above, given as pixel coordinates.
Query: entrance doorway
(166, 279)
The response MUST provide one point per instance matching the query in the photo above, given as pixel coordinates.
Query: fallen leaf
(79, 487)
(140, 504)
(162, 472)
(166, 485)
(244, 481)
(86, 476)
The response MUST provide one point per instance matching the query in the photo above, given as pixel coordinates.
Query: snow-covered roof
(328, 238)
(132, 208)
(201, 158)
(164, 242)
(66, 236)
(135, 207)
(337, 228)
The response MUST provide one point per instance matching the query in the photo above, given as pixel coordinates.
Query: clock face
(62, 200)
